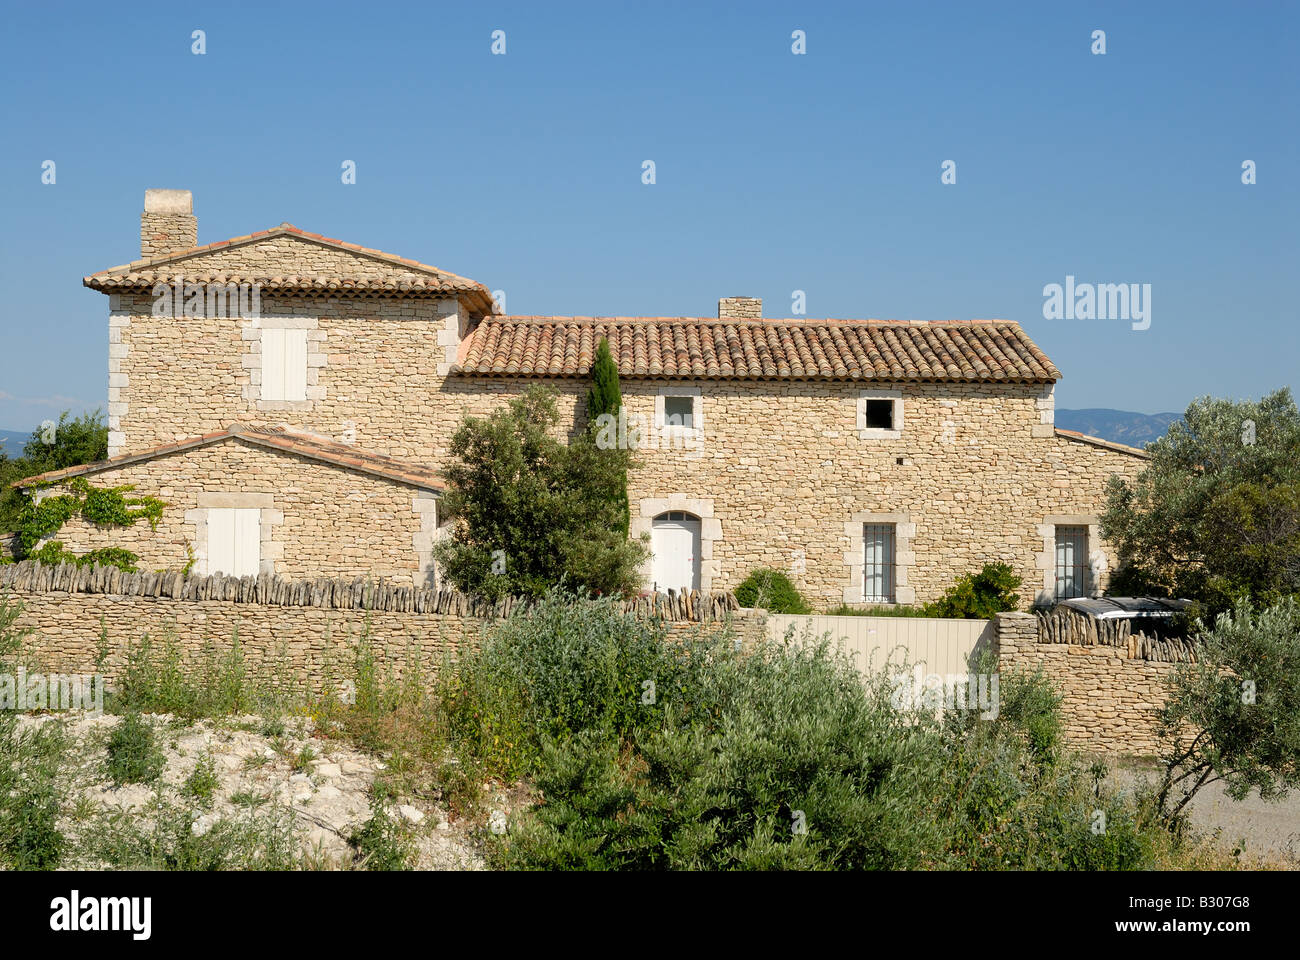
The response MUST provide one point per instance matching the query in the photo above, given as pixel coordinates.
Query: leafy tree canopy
(1215, 516)
(1234, 714)
(530, 512)
(73, 441)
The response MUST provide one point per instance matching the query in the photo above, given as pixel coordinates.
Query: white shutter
(273, 356)
(295, 364)
(221, 541)
(234, 541)
(284, 364)
(248, 543)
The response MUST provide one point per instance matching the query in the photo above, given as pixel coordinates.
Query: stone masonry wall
(1109, 699)
(780, 474)
(317, 520)
(371, 378)
(302, 647)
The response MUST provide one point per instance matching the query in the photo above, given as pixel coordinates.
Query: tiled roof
(414, 279)
(676, 347)
(283, 439)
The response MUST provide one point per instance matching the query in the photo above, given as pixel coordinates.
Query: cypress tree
(605, 397)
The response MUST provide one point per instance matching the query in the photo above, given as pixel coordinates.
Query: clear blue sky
(775, 172)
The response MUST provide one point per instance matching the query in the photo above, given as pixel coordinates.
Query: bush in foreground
(779, 758)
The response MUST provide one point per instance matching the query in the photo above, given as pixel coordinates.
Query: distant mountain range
(13, 441)
(1118, 426)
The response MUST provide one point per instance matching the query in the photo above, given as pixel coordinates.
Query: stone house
(293, 398)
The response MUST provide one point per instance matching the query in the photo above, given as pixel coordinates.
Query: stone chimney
(167, 223)
(740, 308)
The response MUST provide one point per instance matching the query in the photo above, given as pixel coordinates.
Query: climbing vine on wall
(102, 506)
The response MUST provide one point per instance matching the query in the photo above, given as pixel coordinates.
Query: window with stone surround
(880, 414)
(235, 532)
(679, 413)
(878, 558)
(284, 365)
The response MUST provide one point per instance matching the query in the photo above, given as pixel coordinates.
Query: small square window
(880, 414)
(679, 412)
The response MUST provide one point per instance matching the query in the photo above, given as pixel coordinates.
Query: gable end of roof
(279, 439)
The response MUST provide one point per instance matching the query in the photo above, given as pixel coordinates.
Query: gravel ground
(1264, 829)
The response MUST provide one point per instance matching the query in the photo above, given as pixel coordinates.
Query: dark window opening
(679, 412)
(880, 414)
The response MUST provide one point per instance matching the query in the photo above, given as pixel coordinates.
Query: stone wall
(370, 380)
(296, 634)
(316, 520)
(781, 478)
(1109, 697)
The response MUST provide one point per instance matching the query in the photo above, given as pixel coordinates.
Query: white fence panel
(941, 646)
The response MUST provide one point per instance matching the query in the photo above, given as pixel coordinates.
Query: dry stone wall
(1110, 697)
(301, 634)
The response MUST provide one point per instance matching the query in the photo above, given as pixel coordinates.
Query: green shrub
(302, 763)
(975, 596)
(773, 591)
(133, 752)
(563, 666)
(202, 784)
(981, 595)
(29, 835)
(788, 758)
(382, 843)
(31, 761)
(171, 837)
(787, 762)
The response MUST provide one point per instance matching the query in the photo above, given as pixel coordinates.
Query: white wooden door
(676, 543)
(234, 541)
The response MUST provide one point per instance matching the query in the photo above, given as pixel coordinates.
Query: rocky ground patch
(251, 791)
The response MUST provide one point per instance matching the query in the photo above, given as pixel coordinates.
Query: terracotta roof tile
(421, 278)
(684, 347)
(284, 439)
